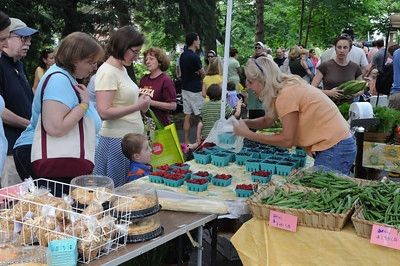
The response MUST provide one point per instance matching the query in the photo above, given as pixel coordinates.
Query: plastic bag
(223, 136)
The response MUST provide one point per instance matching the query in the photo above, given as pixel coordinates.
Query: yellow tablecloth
(259, 244)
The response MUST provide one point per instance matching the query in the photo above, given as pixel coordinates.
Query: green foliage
(388, 118)
(344, 110)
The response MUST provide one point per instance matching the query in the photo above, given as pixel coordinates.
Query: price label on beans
(385, 236)
(283, 221)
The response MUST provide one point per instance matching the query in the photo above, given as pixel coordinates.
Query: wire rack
(96, 217)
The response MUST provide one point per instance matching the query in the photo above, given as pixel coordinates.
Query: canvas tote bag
(63, 157)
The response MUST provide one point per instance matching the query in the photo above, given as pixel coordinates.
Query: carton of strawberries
(261, 176)
(245, 190)
(221, 180)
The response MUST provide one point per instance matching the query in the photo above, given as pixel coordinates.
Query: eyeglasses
(135, 52)
(23, 39)
(257, 47)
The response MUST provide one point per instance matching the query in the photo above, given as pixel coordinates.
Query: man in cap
(16, 91)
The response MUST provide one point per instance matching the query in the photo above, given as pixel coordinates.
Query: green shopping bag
(165, 144)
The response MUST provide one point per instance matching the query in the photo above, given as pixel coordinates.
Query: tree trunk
(71, 17)
(301, 21)
(122, 11)
(311, 8)
(259, 21)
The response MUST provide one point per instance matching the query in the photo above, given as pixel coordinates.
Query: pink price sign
(385, 236)
(283, 221)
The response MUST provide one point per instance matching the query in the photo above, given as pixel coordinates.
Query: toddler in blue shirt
(136, 148)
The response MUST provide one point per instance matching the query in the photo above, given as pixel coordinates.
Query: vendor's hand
(240, 128)
(335, 93)
(144, 102)
(83, 93)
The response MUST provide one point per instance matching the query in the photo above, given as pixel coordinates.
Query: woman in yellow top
(213, 75)
(309, 118)
(46, 59)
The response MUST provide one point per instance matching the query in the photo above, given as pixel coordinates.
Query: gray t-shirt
(377, 59)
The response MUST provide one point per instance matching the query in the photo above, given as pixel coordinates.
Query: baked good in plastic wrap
(144, 229)
(88, 188)
(137, 201)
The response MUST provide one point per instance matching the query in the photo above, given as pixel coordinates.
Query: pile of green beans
(324, 201)
(381, 203)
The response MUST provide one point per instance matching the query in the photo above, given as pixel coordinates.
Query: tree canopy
(277, 23)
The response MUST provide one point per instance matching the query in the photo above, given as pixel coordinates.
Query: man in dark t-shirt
(191, 74)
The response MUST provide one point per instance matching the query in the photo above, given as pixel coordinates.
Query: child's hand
(239, 103)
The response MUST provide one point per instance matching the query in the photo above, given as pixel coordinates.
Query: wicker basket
(328, 221)
(363, 227)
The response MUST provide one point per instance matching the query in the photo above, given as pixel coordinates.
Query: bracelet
(84, 106)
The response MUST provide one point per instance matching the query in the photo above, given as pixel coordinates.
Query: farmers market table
(259, 244)
(175, 224)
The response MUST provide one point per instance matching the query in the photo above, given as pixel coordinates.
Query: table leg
(179, 251)
(214, 228)
(200, 247)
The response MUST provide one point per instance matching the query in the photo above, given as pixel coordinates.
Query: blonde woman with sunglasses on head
(309, 118)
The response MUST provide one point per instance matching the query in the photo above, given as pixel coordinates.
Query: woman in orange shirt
(309, 118)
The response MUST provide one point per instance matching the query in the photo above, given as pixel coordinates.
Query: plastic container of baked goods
(138, 201)
(85, 189)
(144, 229)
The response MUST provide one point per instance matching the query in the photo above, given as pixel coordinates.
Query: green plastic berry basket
(221, 182)
(220, 159)
(174, 183)
(261, 179)
(183, 166)
(227, 138)
(194, 176)
(284, 170)
(197, 187)
(202, 158)
(252, 165)
(244, 193)
(269, 165)
(156, 179)
(301, 158)
(242, 157)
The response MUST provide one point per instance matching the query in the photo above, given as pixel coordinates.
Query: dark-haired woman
(118, 103)
(46, 59)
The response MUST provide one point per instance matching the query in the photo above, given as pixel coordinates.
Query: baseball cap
(19, 27)
(260, 44)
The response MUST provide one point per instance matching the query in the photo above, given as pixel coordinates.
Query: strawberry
(223, 176)
(261, 173)
(158, 173)
(173, 176)
(202, 173)
(199, 181)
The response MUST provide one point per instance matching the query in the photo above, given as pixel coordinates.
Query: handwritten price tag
(283, 221)
(385, 236)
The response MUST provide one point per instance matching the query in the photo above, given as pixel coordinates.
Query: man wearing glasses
(16, 91)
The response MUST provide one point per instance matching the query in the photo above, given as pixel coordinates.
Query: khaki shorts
(192, 102)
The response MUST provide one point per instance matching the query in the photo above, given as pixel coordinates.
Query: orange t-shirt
(320, 125)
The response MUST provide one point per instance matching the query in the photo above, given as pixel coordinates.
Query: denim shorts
(339, 157)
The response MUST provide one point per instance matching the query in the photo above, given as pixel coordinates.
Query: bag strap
(159, 125)
(43, 131)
